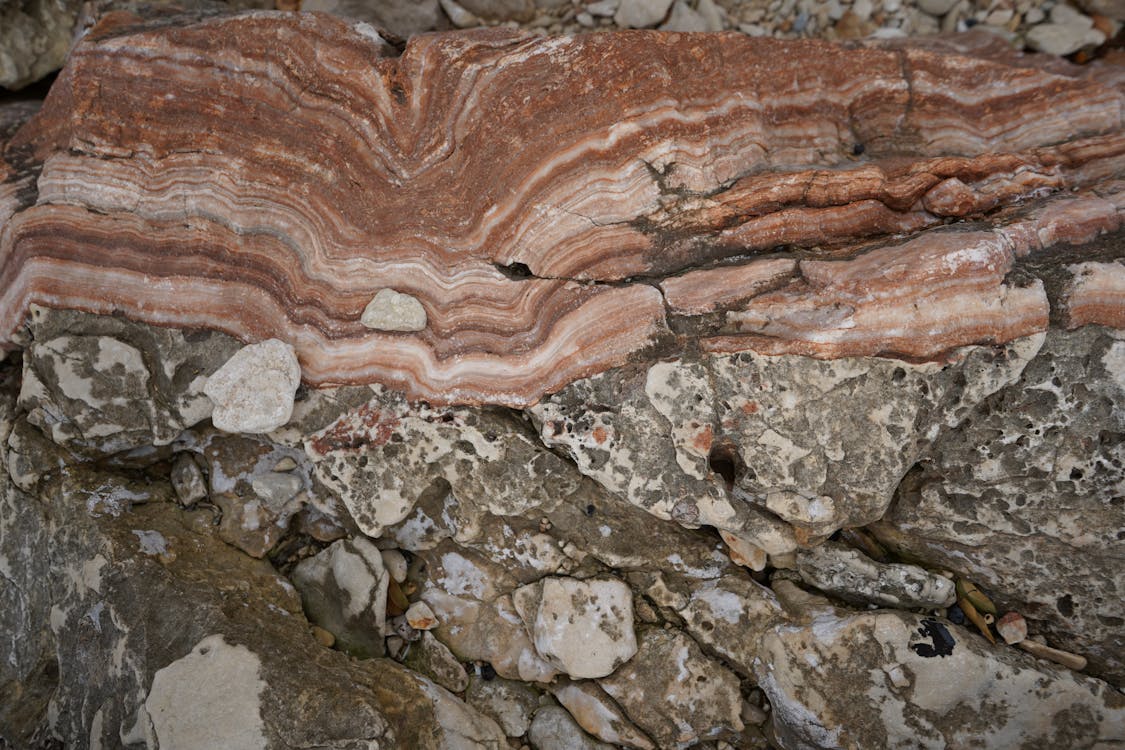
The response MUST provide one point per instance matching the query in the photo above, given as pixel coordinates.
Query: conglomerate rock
(607, 345)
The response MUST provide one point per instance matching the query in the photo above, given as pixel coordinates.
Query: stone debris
(344, 591)
(849, 574)
(509, 703)
(253, 391)
(676, 694)
(420, 617)
(554, 729)
(585, 628)
(1012, 628)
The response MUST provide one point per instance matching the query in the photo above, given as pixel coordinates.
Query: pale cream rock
(394, 311)
(585, 628)
(420, 617)
(597, 713)
(253, 392)
(395, 563)
(209, 698)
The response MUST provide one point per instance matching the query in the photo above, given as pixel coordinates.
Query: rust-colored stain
(365, 427)
(600, 435)
(703, 439)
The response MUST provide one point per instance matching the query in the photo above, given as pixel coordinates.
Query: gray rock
(501, 10)
(469, 594)
(94, 619)
(1060, 39)
(890, 679)
(852, 576)
(684, 18)
(554, 729)
(585, 628)
(344, 591)
(1023, 500)
(430, 657)
(403, 18)
(1114, 9)
(187, 479)
(936, 7)
(674, 693)
(730, 616)
(100, 385)
(253, 391)
(638, 14)
(510, 704)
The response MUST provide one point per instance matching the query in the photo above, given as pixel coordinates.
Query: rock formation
(634, 369)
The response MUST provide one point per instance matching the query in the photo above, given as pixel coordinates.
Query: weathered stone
(420, 617)
(596, 713)
(851, 575)
(344, 591)
(401, 17)
(430, 657)
(638, 14)
(510, 704)
(676, 694)
(684, 430)
(890, 679)
(188, 480)
(1023, 499)
(94, 618)
(253, 391)
(554, 729)
(34, 39)
(729, 616)
(585, 628)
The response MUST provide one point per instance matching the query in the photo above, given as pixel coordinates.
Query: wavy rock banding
(554, 204)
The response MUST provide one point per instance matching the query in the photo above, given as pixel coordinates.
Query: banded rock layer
(558, 206)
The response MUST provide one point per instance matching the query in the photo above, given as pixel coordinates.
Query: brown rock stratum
(559, 206)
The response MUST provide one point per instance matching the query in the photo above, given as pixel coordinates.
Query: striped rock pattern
(558, 206)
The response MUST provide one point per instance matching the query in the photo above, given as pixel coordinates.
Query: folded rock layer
(553, 204)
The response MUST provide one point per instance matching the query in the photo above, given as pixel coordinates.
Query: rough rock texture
(34, 39)
(1027, 497)
(253, 390)
(678, 315)
(120, 612)
(921, 679)
(585, 628)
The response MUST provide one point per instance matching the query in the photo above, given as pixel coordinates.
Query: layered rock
(519, 192)
(726, 291)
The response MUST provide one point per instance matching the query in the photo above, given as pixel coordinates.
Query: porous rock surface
(713, 362)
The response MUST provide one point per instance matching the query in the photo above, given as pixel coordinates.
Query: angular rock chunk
(510, 704)
(675, 693)
(585, 628)
(344, 591)
(851, 575)
(554, 729)
(253, 391)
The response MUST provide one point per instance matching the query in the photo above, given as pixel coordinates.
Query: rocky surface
(712, 418)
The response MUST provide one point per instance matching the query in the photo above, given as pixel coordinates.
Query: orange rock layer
(551, 202)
